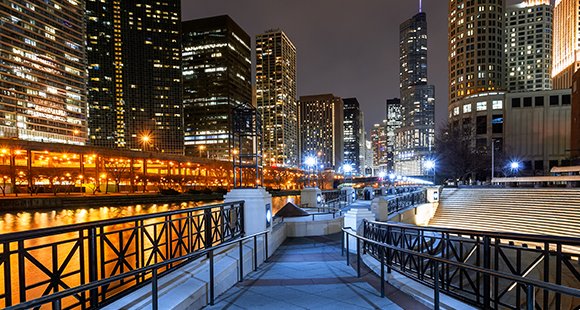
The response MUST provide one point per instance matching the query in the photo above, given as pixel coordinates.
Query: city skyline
(340, 65)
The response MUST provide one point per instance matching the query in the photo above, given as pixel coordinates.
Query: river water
(29, 220)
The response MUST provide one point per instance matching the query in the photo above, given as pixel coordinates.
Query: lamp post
(347, 168)
(515, 167)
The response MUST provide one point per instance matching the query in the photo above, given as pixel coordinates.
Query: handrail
(56, 297)
(22, 235)
(529, 283)
(502, 235)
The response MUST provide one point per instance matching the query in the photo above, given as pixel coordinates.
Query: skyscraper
(353, 135)
(529, 46)
(476, 47)
(276, 97)
(415, 137)
(42, 72)
(321, 129)
(217, 76)
(134, 65)
(566, 44)
(392, 126)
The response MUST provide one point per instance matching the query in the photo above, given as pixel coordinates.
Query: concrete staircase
(530, 211)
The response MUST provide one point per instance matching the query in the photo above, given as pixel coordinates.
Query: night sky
(348, 48)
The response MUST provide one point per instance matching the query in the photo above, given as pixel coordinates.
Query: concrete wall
(420, 215)
(320, 227)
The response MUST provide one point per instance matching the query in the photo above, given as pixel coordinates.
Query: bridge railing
(489, 270)
(47, 261)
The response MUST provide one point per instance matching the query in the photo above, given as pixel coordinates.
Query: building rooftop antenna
(420, 6)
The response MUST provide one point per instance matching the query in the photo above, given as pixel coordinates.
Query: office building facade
(415, 137)
(393, 123)
(528, 50)
(43, 72)
(217, 76)
(476, 47)
(134, 66)
(276, 97)
(321, 130)
(566, 59)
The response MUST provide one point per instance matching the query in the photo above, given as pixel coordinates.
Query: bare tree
(117, 170)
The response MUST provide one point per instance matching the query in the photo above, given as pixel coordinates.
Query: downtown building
(393, 124)
(276, 98)
(476, 47)
(378, 139)
(354, 135)
(322, 130)
(529, 34)
(43, 71)
(217, 76)
(415, 137)
(134, 67)
(566, 60)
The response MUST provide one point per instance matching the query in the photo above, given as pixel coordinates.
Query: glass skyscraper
(217, 76)
(415, 137)
(276, 97)
(134, 65)
(353, 135)
(42, 71)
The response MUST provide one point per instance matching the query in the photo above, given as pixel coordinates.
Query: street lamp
(347, 168)
(430, 164)
(310, 162)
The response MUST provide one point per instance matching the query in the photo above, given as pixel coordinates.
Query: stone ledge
(418, 291)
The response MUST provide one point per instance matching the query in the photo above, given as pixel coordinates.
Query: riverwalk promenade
(310, 273)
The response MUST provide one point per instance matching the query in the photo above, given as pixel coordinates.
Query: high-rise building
(379, 147)
(528, 29)
(134, 65)
(353, 134)
(321, 129)
(217, 76)
(566, 42)
(276, 97)
(415, 137)
(476, 47)
(43, 71)
(392, 125)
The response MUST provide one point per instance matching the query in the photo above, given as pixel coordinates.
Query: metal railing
(120, 255)
(486, 269)
(56, 299)
(404, 201)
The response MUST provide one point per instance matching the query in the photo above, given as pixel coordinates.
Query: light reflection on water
(28, 220)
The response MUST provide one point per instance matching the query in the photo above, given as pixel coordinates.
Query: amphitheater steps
(531, 211)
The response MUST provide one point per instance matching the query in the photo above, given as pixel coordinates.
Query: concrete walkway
(310, 273)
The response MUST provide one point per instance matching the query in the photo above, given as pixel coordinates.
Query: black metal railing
(331, 195)
(407, 200)
(47, 261)
(56, 299)
(486, 269)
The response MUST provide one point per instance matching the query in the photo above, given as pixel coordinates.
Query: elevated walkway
(530, 211)
(310, 273)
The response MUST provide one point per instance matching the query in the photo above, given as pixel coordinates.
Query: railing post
(486, 277)
(154, 290)
(241, 262)
(207, 219)
(436, 284)
(211, 284)
(357, 257)
(531, 298)
(266, 245)
(389, 249)
(382, 271)
(255, 254)
(56, 305)
(347, 250)
(92, 239)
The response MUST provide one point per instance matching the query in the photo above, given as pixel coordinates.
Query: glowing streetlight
(515, 165)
